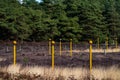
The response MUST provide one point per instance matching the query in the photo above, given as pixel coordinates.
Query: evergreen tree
(76, 19)
(112, 19)
(91, 20)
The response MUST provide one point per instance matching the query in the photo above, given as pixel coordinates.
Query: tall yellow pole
(90, 55)
(98, 42)
(14, 52)
(60, 47)
(116, 43)
(49, 46)
(53, 54)
(107, 43)
(71, 47)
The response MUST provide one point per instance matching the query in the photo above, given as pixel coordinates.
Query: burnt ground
(77, 60)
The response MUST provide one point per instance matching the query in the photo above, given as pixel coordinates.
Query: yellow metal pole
(116, 43)
(49, 46)
(98, 41)
(71, 47)
(90, 55)
(60, 47)
(53, 54)
(107, 43)
(14, 52)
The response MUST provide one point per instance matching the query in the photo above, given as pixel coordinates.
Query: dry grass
(102, 50)
(2, 59)
(112, 73)
(44, 73)
(109, 50)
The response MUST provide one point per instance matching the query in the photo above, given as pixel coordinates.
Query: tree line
(79, 20)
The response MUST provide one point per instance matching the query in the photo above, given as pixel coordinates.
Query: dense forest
(79, 20)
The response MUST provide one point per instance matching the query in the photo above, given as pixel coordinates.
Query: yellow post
(14, 52)
(107, 43)
(60, 47)
(49, 46)
(53, 53)
(116, 43)
(90, 55)
(71, 47)
(98, 42)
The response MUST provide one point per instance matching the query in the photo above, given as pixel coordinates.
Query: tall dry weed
(45, 73)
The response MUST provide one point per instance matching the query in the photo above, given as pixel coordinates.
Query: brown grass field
(37, 66)
(17, 72)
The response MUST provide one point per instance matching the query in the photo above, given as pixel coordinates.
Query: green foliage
(80, 20)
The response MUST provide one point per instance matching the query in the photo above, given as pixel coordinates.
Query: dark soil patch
(77, 60)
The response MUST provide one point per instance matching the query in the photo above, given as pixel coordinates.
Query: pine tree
(112, 19)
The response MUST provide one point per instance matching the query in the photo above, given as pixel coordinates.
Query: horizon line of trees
(80, 20)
